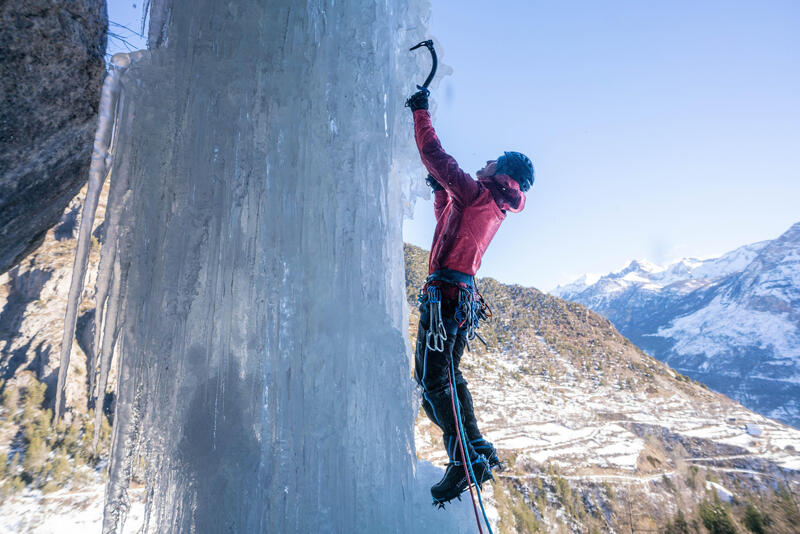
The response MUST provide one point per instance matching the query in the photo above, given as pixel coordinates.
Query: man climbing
(468, 213)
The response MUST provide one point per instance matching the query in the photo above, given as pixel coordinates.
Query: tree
(35, 457)
(753, 519)
(680, 526)
(716, 518)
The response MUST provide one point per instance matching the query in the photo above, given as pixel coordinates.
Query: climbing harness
(470, 310)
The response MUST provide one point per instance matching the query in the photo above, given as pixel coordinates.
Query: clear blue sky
(125, 26)
(658, 129)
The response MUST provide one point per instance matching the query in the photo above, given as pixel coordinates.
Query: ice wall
(256, 266)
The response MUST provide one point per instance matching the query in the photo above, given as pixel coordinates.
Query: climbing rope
(470, 310)
(467, 467)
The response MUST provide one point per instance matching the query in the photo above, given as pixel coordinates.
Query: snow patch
(722, 492)
(719, 326)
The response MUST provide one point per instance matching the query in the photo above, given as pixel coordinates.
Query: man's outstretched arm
(439, 163)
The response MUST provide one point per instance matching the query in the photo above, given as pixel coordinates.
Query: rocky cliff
(51, 71)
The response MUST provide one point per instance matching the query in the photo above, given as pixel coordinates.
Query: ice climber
(468, 213)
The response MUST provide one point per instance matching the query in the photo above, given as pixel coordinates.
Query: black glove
(431, 181)
(418, 100)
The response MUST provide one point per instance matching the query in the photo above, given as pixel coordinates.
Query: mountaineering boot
(486, 449)
(474, 436)
(454, 481)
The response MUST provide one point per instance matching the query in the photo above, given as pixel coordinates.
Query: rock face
(730, 322)
(51, 71)
(33, 297)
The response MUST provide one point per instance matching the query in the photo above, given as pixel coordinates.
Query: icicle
(104, 276)
(97, 175)
(104, 273)
(108, 273)
(107, 255)
(124, 441)
(109, 340)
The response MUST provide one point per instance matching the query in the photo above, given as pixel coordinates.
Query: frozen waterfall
(255, 268)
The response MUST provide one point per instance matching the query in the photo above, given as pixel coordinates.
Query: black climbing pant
(431, 369)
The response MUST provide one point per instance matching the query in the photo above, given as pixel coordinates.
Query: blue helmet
(517, 166)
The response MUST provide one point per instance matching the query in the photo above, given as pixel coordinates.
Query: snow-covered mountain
(731, 322)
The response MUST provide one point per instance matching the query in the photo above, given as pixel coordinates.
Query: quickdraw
(437, 334)
(472, 308)
(484, 312)
(466, 315)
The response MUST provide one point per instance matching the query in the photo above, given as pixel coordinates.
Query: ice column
(101, 163)
(263, 368)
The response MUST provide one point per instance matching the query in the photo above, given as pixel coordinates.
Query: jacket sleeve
(458, 184)
(440, 199)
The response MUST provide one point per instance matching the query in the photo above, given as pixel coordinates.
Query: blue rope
(433, 408)
(425, 366)
(454, 392)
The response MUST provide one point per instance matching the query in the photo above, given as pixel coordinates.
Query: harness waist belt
(450, 276)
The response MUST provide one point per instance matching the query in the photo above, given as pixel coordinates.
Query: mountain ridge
(732, 322)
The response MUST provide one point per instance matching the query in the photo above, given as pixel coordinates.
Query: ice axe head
(429, 45)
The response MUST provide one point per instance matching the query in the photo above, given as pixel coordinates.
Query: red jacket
(468, 212)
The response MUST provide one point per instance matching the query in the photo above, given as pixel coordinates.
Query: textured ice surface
(258, 186)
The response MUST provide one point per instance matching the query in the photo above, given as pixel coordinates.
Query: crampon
(453, 484)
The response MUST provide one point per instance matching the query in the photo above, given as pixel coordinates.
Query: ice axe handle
(429, 45)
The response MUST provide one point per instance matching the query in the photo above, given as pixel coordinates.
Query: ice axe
(429, 45)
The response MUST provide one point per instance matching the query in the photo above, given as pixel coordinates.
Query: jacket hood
(506, 192)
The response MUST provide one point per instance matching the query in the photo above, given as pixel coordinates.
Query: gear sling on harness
(470, 309)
